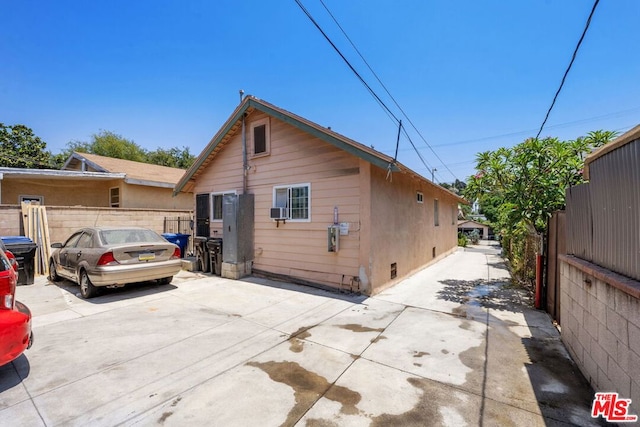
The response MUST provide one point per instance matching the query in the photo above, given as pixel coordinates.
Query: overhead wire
(371, 91)
(573, 58)
(385, 88)
(367, 86)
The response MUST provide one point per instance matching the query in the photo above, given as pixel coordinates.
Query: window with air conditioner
(294, 201)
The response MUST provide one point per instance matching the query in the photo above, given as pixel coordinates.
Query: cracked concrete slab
(454, 344)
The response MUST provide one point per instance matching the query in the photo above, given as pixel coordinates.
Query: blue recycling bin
(180, 239)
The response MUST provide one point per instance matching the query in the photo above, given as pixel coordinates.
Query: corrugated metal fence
(603, 216)
(556, 245)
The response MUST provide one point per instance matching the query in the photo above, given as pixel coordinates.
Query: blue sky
(472, 76)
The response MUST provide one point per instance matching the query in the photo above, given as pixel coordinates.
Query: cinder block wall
(600, 315)
(64, 220)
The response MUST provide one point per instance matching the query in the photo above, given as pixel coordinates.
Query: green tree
(110, 144)
(21, 148)
(173, 157)
(522, 186)
(456, 187)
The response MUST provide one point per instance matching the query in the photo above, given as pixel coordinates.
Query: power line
(573, 57)
(371, 91)
(385, 89)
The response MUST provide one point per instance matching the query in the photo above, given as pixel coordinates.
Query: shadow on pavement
(306, 288)
(108, 295)
(563, 395)
(491, 294)
(12, 374)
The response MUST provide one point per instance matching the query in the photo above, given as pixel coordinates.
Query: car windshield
(117, 237)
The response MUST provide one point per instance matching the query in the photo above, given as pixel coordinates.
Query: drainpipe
(245, 167)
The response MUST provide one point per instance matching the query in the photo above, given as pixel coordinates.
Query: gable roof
(471, 222)
(623, 139)
(135, 172)
(250, 104)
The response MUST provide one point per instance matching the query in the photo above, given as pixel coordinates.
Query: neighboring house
(310, 205)
(95, 181)
(600, 276)
(468, 226)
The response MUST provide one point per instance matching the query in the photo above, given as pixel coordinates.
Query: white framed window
(114, 197)
(419, 197)
(296, 199)
(260, 135)
(436, 212)
(216, 203)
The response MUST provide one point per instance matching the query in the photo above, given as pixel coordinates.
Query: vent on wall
(433, 252)
(394, 270)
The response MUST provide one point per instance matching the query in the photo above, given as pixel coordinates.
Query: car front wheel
(53, 276)
(87, 290)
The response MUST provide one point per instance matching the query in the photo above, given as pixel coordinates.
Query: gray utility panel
(238, 224)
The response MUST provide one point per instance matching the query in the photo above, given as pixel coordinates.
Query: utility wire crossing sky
(466, 77)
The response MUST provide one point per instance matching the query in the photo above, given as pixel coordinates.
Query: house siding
(60, 192)
(93, 193)
(297, 249)
(386, 224)
(402, 231)
(145, 197)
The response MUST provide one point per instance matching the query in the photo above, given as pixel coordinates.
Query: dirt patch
(296, 341)
(308, 387)
(359, 328)
(427, 410)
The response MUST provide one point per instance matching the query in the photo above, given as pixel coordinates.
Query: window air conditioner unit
(278, 213)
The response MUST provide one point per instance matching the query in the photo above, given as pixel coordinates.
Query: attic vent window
(419, 197)
(260, 139)
(260, 135)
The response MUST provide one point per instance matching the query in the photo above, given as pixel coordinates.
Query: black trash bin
(24, 250)
(215, 255)
(202, 253)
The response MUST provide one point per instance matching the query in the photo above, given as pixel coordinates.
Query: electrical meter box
(238, 225)
(333, 238)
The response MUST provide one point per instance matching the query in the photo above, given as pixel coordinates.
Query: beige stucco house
(469, 225)
(95, 181)
(320, 208)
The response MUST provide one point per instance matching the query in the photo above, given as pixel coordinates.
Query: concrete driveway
(452, 345)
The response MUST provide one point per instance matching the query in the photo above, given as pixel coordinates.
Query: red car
(15, 317)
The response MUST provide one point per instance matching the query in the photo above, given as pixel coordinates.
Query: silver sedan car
(113, 257)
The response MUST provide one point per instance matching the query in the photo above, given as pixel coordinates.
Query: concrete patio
(451, 345)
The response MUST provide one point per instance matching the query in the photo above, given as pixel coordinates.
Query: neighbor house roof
(56, 174)
(250, 104)
(623, 139)
(471, 223)
(135, 172)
